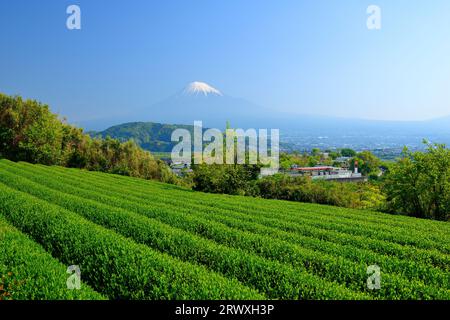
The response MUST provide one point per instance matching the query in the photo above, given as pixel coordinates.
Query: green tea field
(138, 239)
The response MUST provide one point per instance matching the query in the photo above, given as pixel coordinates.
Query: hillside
(311, 132)
(138, 239)
(151, 136)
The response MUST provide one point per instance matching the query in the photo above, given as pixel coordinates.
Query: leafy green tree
(346, 152)
(333, 154)
(304, 189)
(419, 183)
(29, 131)
(368, 163)
(226, 179)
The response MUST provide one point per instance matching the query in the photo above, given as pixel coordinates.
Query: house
(327, 173)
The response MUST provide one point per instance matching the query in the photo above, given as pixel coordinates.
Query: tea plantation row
(137, 239)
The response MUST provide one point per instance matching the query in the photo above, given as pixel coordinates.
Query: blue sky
(308, 57)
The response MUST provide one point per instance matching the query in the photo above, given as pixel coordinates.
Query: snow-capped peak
(197, 87)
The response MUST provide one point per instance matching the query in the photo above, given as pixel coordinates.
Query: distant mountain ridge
(201, 101)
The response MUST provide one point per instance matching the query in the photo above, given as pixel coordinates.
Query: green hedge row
(110, 263)
(337, 269)
(289, 208)
(415, 263)
(28, 272)
(273, 278)
(433, 237)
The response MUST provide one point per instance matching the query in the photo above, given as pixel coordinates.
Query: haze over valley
(199, 101)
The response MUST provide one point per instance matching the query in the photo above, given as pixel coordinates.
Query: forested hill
(150, 136)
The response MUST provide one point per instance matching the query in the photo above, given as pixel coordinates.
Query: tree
(419, 183)
(348, 152)
(29, 131)
(368, 163)
(225, 178)
(304, 189)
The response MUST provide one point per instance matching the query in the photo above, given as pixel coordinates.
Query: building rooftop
(322, 168)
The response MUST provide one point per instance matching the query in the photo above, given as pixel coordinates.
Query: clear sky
(314, 57)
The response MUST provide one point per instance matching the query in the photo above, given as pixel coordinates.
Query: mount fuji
(200, 101)
(202, 88)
